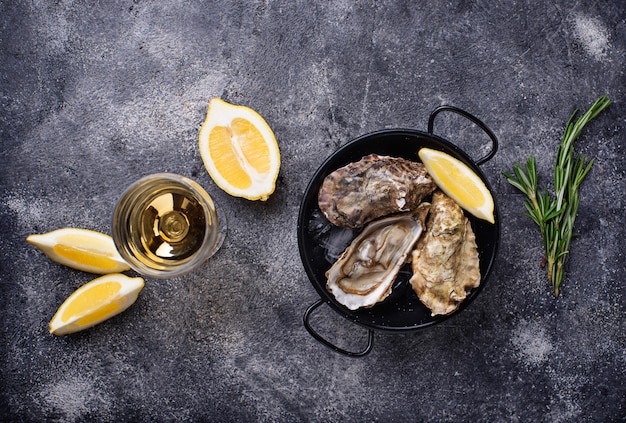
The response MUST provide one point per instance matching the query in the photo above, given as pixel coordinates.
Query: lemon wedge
(80, 249)
(239, 150)
(459, 182)
(94, 302)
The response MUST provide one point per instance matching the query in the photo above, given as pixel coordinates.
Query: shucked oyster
(373, 187)
(445, 260)
(364, 274)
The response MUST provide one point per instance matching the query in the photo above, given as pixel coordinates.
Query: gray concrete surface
(96, 94)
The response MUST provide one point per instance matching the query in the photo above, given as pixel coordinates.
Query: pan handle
(478, 122)
(314, 334)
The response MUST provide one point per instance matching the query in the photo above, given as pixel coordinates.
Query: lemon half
(239, 150)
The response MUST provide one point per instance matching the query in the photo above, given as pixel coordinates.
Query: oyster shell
(364, 273)
(373, 187)
(445, 261)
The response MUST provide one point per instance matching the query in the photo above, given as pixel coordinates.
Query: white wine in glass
(166, 225)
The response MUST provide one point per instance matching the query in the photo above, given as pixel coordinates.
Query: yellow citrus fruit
(239, 150)
(81, 249)
(94, 302)
(459, 182)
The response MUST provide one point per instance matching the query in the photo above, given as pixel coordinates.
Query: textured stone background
(97, 94)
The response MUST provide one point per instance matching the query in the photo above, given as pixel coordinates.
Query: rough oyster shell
(373, 187)
(364, 274)
(445, 261)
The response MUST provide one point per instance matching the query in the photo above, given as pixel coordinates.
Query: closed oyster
(364, 273)
(373, 187)
(445, 261)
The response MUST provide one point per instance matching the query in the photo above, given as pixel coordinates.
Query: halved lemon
(94, 302)
(80, 249)
(459, 182)
(239, 150)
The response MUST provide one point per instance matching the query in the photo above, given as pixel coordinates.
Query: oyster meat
(364, 273)
(445, 261)
(373, 187)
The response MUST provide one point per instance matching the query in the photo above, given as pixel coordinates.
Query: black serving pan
(320, 242)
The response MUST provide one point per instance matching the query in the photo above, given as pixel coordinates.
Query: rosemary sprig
(555, 215)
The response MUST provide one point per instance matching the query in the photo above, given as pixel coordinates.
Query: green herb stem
(555, 215)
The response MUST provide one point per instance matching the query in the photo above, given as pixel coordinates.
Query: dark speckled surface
(93, 96)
